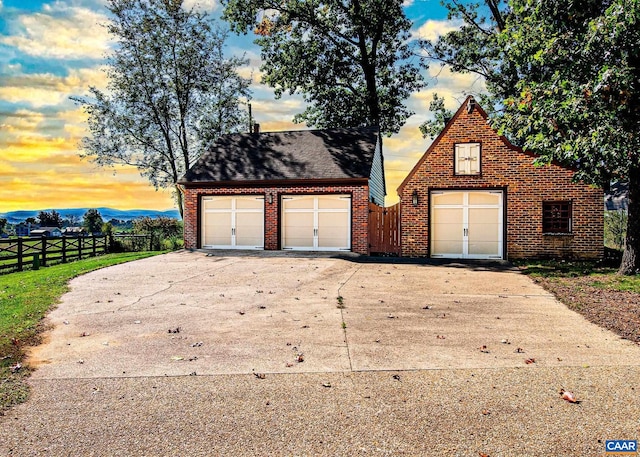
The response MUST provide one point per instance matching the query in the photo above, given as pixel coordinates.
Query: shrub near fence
(20, 253)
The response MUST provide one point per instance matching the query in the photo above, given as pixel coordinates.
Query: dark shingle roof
(617, 197)
(306, 154)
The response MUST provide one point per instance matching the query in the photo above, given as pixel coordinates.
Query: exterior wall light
(270, 198)
(414, 198)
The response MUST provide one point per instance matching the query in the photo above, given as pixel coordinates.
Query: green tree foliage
(565, 84)
(160, 228)
(92, 221)
(170, 91)
(50, 219)
(3, 224)
(432, 128)
(476, 47)
(615, 228)
(351, 60)
(71, 220)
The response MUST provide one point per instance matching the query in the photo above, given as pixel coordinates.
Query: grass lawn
(25, 298)
(596, 292)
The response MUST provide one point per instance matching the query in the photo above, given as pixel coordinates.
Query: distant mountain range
(14, 217)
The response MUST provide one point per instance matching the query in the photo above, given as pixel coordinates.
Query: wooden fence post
(19, 254)
(93, 243)
(64, 249)
(80, 247)
(44, 250)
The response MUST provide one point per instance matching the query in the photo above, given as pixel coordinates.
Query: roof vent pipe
(256, 128)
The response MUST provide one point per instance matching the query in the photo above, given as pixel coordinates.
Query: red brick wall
(359, 211)
(526, 187)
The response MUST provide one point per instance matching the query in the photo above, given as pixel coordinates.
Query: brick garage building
(475, 195)
(301, 190)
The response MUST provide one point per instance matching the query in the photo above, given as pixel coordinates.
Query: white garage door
(316, 222)
(467, 224)
(233, 222)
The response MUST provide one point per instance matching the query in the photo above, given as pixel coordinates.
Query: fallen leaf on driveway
(530, 361)
(396, 377)
(176, 358)
(568, 396)
(326, 384)
(260, 375)
(484, 349)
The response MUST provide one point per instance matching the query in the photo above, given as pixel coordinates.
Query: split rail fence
(18, 254)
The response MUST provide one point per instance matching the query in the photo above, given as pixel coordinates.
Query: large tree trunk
(630, 258)
(179, 201)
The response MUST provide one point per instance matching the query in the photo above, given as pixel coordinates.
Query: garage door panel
(484, 198)
(484, 227)
(298, 230)
(217, 229)
(217, 203)
(447, 231)
(334, 202)
(249, 229)
(448, 198)
(298, 203)
(250, 203)
(449, 248)
(333, 230)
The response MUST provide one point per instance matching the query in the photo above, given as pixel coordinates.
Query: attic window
(556, 217)
(467, 159)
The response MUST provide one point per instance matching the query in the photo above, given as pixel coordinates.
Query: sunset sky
(53, 49)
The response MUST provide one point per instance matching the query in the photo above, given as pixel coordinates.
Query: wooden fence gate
(384, 229)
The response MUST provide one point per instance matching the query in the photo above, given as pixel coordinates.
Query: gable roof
(295, 155)
(476, 108)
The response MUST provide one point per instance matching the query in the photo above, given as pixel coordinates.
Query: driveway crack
(170, 285)
(344, 325)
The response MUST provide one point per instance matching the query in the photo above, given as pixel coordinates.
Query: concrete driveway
(273, 313)
(189, 354)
